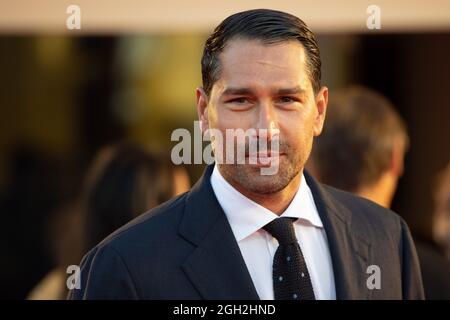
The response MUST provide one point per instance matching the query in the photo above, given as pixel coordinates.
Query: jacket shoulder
(156, 226)
(139, 251)
(367, 216)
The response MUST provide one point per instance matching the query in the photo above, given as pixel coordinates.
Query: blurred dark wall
(55, 115)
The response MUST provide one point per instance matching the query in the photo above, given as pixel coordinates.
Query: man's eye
(286, 100)
(240, 100)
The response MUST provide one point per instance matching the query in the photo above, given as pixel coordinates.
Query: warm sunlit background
(131, 73)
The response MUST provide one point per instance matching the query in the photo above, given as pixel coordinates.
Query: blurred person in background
(361, 150)
(435, 256)
(441, 221)
(124, 181)
(363, 145)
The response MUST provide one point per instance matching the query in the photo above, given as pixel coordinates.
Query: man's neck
(276, 202)
(381, 191)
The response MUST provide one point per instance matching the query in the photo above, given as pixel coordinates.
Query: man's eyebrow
(237, 91)
(247, 91)
(294, 90)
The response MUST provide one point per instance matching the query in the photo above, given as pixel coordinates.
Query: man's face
(265, 86)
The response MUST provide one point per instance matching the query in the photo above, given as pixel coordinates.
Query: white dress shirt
(258, 247)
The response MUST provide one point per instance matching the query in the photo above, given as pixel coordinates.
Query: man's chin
(265, 188)
(251, 179)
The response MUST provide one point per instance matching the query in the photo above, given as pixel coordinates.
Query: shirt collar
(246, 216)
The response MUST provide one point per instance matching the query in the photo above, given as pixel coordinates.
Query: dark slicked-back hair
(268, 26)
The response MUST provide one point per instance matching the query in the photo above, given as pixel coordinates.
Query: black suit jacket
(185, 249)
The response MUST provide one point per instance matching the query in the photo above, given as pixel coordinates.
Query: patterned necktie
(291, 279)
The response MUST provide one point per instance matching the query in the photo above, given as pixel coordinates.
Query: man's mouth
(264, 154)
(263, 158)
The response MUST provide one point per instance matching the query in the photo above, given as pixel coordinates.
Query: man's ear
(397, 158)
(321, 101)
(202, 108)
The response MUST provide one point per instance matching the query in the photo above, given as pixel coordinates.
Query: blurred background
(130, 73)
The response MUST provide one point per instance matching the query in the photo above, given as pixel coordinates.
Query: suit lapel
(216, 267)
(349, 251)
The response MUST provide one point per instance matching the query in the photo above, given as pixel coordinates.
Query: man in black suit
(242, 234)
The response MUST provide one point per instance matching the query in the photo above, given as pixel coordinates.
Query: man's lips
(267, 154)
(264, 159)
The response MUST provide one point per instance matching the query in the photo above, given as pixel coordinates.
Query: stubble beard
(250, 178)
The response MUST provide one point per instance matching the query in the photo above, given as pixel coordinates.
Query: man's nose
(267, 121)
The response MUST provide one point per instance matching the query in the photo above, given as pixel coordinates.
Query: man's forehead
(254, 59)
(236, 81)
(239, 86)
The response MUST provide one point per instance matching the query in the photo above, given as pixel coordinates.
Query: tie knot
(282, 229)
